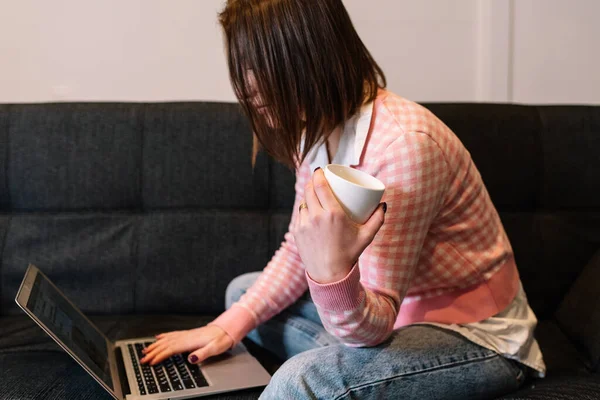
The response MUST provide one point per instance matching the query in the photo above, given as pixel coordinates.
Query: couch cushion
(567, 376)
(19, 333)
(565, 386)
(278, 228)
(123, 263)
(570, 138)
(4, 223)
(579, 313)
(55, 376)
(281, 194)
(77, 156)
(187, 259)
(199, 155)
(560, 355)
(551, 249)
(4, 152)
(74, 156)
(46, 375)
(90, 257)
(35, 367)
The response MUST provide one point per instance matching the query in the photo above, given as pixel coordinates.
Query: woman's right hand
(204, 342)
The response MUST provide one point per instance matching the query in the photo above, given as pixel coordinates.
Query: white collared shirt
(352, 142)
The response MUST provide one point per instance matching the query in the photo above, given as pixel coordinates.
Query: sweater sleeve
(281, 283)
(362, 308)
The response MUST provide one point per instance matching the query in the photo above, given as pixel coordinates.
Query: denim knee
(303, 376)
(238, 286)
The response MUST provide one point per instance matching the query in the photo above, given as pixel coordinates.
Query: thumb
(373, 224)
(214, 348)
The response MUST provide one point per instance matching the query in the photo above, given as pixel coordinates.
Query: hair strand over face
(305, 62)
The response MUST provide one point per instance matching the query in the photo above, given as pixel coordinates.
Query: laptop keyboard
(173, 374)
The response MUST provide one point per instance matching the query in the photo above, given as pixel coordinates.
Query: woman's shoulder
(403, 123)
(392, 110)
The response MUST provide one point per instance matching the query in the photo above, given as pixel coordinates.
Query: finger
(148, 358)
(153, 346)
(303, 213)
(296, 217)
(163, 355)
(312, 201)
(214, 348)
(374, 223)
(157, 348)
(323, 191)
(152, 354)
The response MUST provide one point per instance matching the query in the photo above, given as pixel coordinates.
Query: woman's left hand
(328, 241)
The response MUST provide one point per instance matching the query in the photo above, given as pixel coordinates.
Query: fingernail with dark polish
(316, 169)
(384, 207)
(193, 359)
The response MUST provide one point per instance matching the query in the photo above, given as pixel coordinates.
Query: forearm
(360, 317)
(280, 284)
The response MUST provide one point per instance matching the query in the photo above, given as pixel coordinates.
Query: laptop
(116, 365)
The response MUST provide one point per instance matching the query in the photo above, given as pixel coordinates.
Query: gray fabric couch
(143, 213)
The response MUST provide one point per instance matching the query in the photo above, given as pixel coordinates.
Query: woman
(423, 300)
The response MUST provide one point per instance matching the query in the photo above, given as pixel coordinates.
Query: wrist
(344, 295)
(325, 276)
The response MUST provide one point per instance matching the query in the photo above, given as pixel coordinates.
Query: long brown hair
(310, 68)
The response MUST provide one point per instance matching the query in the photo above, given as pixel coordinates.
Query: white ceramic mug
(358, 192)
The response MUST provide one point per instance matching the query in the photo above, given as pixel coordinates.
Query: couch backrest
(134, 207)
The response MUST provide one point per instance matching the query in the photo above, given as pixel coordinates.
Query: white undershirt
(509, 333)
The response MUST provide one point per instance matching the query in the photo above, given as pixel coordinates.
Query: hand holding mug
(328, 237)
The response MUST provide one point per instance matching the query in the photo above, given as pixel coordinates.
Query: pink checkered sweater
(442, 254)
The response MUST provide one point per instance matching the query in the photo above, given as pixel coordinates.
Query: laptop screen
(71, 328)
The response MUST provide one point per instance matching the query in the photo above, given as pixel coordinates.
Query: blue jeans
(416, 362)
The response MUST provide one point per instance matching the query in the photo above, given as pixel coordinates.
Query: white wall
(111, 50)
(427, 48)
(431, 50)
(556, 51)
